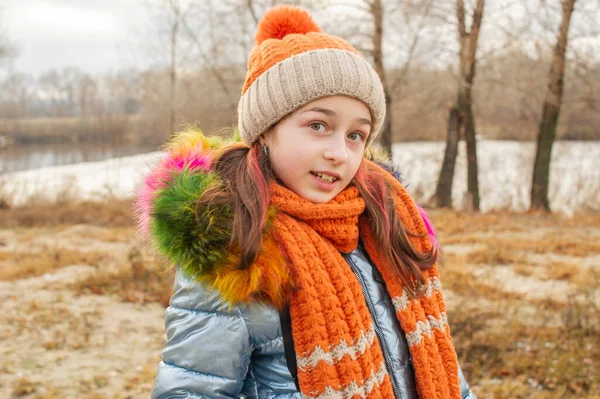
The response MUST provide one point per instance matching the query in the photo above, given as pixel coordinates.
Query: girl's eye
(356, 136)
(317, 126)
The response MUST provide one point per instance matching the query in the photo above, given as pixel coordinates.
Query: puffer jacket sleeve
(208, 347)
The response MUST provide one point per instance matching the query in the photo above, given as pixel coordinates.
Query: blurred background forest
(190, 64)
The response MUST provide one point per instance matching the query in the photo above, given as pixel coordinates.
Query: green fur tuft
(195, 244)
(236, 135)
(216, 142)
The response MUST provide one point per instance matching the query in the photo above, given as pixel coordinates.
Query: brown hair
(246, 173)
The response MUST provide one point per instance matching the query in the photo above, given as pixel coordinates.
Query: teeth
(327, 178)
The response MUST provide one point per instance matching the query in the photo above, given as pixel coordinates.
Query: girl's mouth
(325, 177)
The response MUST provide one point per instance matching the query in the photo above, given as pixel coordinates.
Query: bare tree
(17, 96)
(461, 113)
(550, 113)
(8, 50)
(167, 17)
(208, 54)
(175, 16)
(409, 11)
(376, 9)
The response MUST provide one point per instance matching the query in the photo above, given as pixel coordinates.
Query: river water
(15, 158)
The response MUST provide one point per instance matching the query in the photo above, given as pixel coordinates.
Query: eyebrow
(329, 112)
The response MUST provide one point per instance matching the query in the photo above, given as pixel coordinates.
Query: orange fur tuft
(266, 280)
(284, 20)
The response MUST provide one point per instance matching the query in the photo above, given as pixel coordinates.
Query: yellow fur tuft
(267, 280)
(183, 141)
(379, 154)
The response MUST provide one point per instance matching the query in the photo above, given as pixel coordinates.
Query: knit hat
(294, 63)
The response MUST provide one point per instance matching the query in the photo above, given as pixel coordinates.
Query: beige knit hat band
(305, 77)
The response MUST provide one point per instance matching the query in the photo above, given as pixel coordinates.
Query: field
(82, 302)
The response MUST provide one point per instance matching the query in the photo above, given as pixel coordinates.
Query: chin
(319, 198)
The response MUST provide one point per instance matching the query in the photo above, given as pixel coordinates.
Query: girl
(303, 268)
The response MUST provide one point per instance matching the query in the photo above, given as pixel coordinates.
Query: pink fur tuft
(193, 159)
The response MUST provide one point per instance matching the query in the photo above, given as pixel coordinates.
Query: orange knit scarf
(337, 351)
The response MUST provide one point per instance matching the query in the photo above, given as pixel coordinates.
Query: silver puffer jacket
(217, 351)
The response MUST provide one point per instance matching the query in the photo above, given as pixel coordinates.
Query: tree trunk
(468, 64)
(386, 133)
(550, 114)
(443, 191)
(173, 72)
(472, 169)
(385, 136)
(466, 121)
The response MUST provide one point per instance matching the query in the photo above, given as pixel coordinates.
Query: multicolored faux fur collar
(198, 244)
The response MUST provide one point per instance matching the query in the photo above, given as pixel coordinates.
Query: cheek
(288, 161)
(293, 150)
(354, 162)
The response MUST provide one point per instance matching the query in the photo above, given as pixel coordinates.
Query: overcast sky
(94, 35)
(97, 36)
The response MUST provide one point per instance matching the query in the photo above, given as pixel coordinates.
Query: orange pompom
(284, 20)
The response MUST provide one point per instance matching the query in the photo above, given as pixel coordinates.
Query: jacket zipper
(384, 348)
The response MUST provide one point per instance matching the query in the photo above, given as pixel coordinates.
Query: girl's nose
(336, 151)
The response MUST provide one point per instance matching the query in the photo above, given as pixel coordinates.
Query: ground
(82, 302)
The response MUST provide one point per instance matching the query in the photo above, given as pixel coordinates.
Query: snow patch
(505, 170)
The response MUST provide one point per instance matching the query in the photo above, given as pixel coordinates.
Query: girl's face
(316, 150)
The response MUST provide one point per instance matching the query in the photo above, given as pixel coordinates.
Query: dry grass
(114, 213)
(24, 386)
(545, 361)
(496, 255)
(457, 275)
(144, 281)
(133, 276)
(110, 235)
(564, 271)
(509, 345)
(557, 245)
(144, 377)
(31, 264)
(550, 353)
(49, 392)
(504, 249)
(524, 269)
(59, 327)
(450, 222)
